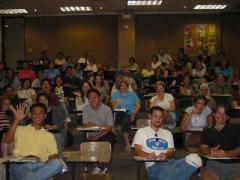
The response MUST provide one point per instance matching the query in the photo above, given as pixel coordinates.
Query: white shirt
(198, 121)
(26, 94)
(166, 58)
(145, 137)
(165, 103)
(91, 67)
(155, 65)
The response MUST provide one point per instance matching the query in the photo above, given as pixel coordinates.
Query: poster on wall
(200, 37)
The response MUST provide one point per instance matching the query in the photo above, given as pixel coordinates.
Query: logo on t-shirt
(157, 143)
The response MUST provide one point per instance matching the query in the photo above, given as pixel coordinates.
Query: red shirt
(27, 74)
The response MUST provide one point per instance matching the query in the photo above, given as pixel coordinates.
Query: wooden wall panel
(73, 35)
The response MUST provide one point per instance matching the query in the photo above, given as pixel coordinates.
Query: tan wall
(100, 35)
(231, 38)
(154, 31)
(73, 35)
(126, 39)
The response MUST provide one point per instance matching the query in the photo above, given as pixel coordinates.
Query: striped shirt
(4, 121)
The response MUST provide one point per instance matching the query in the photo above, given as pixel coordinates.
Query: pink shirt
(27, 74)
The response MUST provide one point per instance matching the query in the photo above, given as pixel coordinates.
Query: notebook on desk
(219, 158)
(24, 159)
(139, 158)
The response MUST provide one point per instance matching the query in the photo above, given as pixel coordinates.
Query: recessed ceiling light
(144, 2)
(210, 6)
(35, 10)
(13, 11)
(75, 8)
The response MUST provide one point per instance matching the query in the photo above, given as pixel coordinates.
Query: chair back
(101, 150)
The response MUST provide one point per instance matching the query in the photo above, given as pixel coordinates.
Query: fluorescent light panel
(13, 11)
(144, 2)
(75, 8)
(210, 6)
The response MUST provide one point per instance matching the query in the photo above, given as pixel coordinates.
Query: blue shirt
(51, 74)
(129, 101)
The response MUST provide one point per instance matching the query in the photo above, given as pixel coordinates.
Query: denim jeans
(171, 170)
(61, 142)
(35, 170)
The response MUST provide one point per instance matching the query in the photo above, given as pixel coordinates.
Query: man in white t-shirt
(155, 143)
(163, 57)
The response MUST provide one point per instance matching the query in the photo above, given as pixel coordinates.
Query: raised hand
(77, 93)
(20, 113)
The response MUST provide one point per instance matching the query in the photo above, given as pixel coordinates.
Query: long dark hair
(82, 95)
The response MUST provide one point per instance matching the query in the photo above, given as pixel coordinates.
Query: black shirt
(228, 138)
(73, 81)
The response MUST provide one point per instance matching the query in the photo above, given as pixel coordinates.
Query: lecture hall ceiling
(51, 7)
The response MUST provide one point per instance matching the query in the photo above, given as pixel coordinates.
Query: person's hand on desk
(216, 152)
(117, 102)
(151, 156)
(162, 156)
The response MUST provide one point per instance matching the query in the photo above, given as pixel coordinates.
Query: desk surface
(119, 110)
(76, 157)
(221, 159)
(94, 128)
(142, 159)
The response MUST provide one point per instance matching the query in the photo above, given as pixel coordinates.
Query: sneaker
(97, 170)
(128, 149)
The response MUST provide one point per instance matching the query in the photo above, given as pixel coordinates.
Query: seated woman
(156, 77)
(199, 70)
(26, 72)
(220, 86)
(224, 68)
(7, 112)
(187, 89)
(125, 99)
(147, 71)
(197, 116)
(166, 101)
(10, 79)
(26, 92)
(98, 83)
(59, 88)
(205, 91)
(81, 97)
(55, 121)
(51, 73)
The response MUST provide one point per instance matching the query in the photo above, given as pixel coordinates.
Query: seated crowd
(39, 101)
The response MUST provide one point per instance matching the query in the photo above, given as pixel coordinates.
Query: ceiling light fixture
(144, 2)
(210, 6)
(13, 11)
(75, 8)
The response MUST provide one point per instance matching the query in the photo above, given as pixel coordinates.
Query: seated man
(221, 140)
(220, 86)
(97, 114)
(154, 143)
(33, 140)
